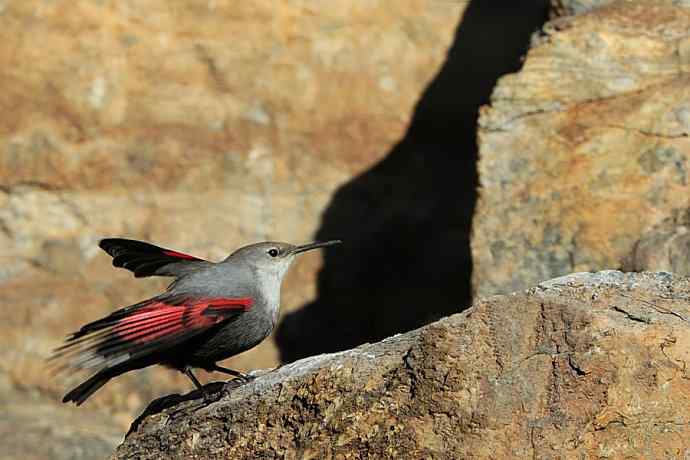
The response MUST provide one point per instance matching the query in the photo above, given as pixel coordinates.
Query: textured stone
(586, 148)
(33, 428)
(201, 126)
(665, 247)
(568, 7)
(583, 366)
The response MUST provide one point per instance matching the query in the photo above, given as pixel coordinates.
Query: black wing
(145, 259)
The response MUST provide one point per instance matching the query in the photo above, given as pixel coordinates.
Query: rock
(665, 247)
(35, 428)
(569, 7)
(586, 148)
(201, 126)
(583, 366)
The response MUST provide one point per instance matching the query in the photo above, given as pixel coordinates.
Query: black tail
(81, 393)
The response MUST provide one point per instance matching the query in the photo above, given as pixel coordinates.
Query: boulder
(585, 149)
(588, 365)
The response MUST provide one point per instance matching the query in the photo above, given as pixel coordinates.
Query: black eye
(273, 252)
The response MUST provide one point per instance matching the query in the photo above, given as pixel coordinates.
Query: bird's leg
(208, 397)
(239, 375)
(188, 372)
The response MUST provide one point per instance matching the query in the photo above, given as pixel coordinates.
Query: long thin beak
(310, 246)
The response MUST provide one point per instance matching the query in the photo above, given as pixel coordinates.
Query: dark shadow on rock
(406, 222)
(215, 389)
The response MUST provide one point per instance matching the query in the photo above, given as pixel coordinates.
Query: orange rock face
(201, 126)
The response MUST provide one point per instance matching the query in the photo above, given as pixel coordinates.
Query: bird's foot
(244, 378)
(237, 382)
(213, 396)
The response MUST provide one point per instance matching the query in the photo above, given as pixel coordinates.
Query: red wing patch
(179, 255)
(148, 327)
(160, 320)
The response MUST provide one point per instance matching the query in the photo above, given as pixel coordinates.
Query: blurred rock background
(198, 125)
(205, 125)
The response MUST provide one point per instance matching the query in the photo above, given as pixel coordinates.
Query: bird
(210, 312)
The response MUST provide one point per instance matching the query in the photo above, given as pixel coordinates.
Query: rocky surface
(206, 125)
(585, 149)
(570, 7)
(32, 428)
(589, 365)
(198, 125)
(664, 247)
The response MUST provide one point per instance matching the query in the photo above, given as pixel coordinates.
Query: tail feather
(81, 393)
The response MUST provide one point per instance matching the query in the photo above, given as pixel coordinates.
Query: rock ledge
(590, 364)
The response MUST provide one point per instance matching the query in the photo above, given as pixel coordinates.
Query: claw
(237, 382)
(211, 397)
(244, 378)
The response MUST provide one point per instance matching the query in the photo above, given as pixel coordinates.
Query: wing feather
(148, 327)
(146, 259)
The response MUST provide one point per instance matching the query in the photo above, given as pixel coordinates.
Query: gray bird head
(272, 257)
